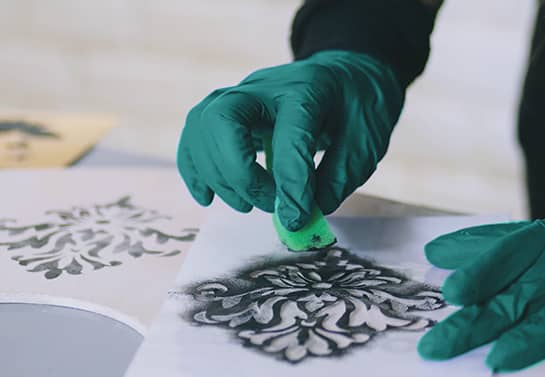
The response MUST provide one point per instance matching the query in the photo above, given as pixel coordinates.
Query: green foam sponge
(316, 235)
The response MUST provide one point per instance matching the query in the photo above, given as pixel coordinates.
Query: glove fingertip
(267, 206)
(451, 290)
(292, 218)
(204, 197)
(326, 203)
(494, 363)
(234, 201)
(260, 192)
(502, 360)
(293, 224)
(198, 189)
(245, 209)
(446, 252)
(262, 199)
(457, 291)
(429, 349)
(327, 198)
(441, 258)
(521, 346)
(432, 254)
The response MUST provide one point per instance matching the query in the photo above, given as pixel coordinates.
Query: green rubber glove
(499, 279)
(344, 101)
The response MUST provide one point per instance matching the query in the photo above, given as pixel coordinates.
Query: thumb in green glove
(499, 279)
(349, 102)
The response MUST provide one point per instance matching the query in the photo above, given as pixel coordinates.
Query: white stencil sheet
(106, 240)
(244, 306)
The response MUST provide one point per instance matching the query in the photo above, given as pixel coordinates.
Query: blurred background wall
(150, 61)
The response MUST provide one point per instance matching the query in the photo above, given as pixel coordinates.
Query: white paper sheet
(199, 338)
(106, 240)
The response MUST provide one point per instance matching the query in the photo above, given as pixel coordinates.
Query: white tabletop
(90, 344)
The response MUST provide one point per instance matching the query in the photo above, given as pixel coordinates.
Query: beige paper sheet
(39, 139)
(107, 240)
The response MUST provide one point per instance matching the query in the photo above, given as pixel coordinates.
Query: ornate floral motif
(319, 304)
(93, 237)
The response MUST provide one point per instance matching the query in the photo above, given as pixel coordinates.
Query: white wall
(456, 143)
(150, 61)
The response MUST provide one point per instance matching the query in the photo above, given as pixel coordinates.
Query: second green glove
(499, 280)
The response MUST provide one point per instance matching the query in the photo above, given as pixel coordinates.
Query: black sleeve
(532, 119)
(396, 32)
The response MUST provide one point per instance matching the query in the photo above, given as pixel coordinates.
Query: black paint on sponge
(316, 235)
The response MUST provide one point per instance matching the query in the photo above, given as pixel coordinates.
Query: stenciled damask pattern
(320, 304)
(89, 238)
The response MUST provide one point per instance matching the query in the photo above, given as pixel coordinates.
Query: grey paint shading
(26, 128)
(89, 238)
(20, 149)
(316, 305)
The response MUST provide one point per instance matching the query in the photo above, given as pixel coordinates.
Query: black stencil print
(89, 238)
(319, 304)
(19, 149)
(27, 128)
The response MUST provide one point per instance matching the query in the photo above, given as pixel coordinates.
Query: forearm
(396, 32)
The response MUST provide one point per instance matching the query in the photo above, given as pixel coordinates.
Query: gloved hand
(348, 101)
(499, 278)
